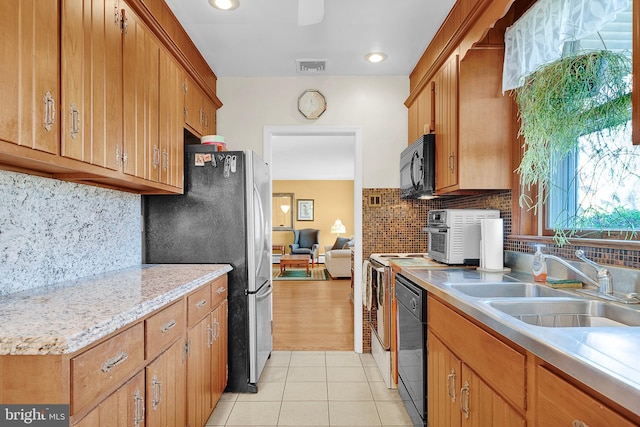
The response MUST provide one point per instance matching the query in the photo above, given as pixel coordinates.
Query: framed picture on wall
(305, 210)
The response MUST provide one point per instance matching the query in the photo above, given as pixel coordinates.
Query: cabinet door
(481, 406)
(29, 85)
(199, 402)
(426, 113)
(166, 388)
(443, 385)
(559, 403)
(193, 112)
(171, 122)
(413, 122)
(92, 81)
(138, 114)
(219, 352)
(124, 408)
(208, 116)
(446, 124)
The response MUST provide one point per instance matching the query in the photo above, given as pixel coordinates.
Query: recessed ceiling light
(225, 4)
(375, 57)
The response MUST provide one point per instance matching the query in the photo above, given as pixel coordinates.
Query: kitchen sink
(508, 290)
(569, 312)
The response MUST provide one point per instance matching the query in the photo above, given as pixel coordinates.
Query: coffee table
(294, 261)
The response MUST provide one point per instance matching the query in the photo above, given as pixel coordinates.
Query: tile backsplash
(53, 231)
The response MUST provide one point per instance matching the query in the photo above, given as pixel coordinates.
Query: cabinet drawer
(163, 328)
(106, 366)
(560, 403)
(219, 290)
(495, 362)
(199, 304)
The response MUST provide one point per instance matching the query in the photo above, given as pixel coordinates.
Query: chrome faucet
(605, 281)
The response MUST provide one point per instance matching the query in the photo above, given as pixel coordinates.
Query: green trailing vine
(581, 94)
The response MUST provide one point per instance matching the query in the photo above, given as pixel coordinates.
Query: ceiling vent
(311, 66)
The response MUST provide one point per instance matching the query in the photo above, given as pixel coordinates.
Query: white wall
(376, 104)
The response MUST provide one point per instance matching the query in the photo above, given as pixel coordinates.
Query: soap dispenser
(539, 268)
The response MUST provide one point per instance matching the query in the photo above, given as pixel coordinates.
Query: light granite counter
(603, 358)
(71, 315)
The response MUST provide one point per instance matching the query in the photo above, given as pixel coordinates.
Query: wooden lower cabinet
(124, 408)
(474, 379)
(206, 363)
(166, 388)
(219, 351)
(560, 403)
(457, 396)
(199, 372)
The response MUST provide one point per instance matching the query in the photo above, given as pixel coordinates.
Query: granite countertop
(603, 358)
(71, 315)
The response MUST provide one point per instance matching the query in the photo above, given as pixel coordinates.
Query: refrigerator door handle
(260, 232)
(268, 290)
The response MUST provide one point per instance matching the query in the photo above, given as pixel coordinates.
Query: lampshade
(338, 227)
(285, 208)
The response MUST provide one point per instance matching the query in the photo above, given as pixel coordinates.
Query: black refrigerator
(223, 217)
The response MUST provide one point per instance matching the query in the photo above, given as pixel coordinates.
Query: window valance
(539, 35)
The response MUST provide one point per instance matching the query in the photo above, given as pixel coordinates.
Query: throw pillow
(340, 242)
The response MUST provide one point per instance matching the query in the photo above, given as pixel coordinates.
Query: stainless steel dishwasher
(412, 348)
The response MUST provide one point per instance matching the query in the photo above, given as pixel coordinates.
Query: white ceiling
(263, 39)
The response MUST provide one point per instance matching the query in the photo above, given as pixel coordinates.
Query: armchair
(306, 242)
(337, 258)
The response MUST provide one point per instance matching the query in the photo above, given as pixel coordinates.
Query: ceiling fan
(310, 12)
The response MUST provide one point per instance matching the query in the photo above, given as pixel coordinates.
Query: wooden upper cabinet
(30, 108)
(446, 125)
(92, 88)
(413, 114)
(473, 124)
(171, 101)
(199, 110)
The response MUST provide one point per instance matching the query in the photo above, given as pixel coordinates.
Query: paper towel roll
(491, 244)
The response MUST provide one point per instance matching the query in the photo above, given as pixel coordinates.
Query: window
(597, 188)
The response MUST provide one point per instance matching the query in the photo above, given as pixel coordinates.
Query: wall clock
(312, 104)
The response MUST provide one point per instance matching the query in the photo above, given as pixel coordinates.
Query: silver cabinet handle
(156, 156)
(75, 120)
(170, 324)
(209, 336)
(49, 111)
(138, 409)
(464, 400)
(578, 423)
(216, 329)
(201, 303)
(221, 290)
(119, 157)
(451, 385)
(109, 364)
(165, 160)
(156, 391)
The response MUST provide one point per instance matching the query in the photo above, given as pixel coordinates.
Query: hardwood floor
(312, 315)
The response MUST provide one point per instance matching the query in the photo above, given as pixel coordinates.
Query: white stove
(383, 258)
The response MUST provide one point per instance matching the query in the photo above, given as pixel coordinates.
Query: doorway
(334, 152)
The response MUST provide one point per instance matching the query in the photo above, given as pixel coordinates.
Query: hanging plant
(563, 100)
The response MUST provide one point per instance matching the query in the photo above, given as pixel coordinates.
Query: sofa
(337, 258)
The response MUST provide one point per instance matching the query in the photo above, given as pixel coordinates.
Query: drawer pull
(201, 303)
(451, 385)
(170, 324)
(464, 400)
(221, 290)
(156, 392)
(138, 409)
(114, 361)
(579, 423)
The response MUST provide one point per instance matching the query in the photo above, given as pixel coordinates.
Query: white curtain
(538, 36)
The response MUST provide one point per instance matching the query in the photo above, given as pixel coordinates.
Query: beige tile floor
(315, 388)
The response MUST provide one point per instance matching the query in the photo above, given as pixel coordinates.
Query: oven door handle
(436, 230)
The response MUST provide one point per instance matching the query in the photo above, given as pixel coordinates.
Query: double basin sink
(540, 305)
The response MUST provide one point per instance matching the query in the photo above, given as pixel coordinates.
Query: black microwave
(418, 168)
